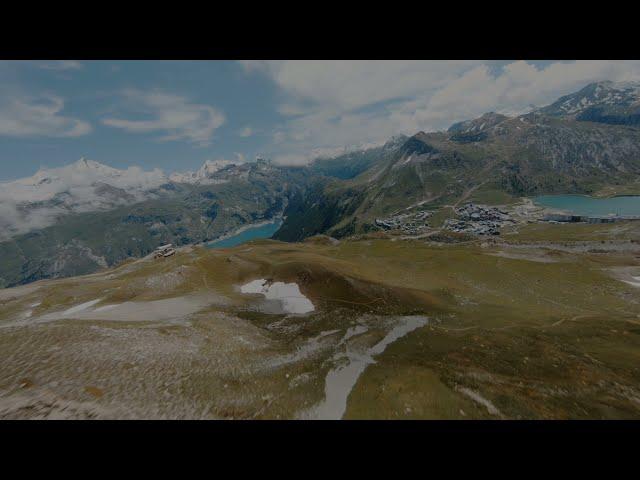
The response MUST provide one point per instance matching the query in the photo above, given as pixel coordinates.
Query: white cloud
(333, 104)
(520, 84)
(38, 116)
(206, 174)
(25, 204)
(59, 65)
(174, 116)
(349, 84)
(246, 132)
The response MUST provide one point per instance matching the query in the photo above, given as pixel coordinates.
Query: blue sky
(175, 115)
(97, 90)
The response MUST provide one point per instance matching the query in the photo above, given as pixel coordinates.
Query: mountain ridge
(83, 242)
(493, 158)
(604, 102)
(542, 151)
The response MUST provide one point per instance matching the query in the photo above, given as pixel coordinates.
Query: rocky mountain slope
(557, 149)
(209, 173)
(184, 213)
(353, 163)
(85, 216)
(604, 102)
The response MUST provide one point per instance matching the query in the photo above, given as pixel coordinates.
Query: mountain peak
(603, 102)
(205, 174)
(83, 162)
(78, 181)
(210, 167)
(86, 164)
(624, 85)
(417, 145)
(607, 91)
(477, 125)
(396, 141)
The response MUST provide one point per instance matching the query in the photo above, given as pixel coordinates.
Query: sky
(175, 115)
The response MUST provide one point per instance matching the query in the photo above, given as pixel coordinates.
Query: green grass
(490, 196)
(537, 340)
(573, 232)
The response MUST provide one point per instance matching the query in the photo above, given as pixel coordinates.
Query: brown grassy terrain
(518, 328)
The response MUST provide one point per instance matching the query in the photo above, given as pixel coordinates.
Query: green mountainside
(566, 147)
(492, 159)
(84, 242)
(352, 164)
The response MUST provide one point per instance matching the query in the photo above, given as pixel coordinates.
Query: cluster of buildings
(164, 251)
(478, 219)
(408, 223)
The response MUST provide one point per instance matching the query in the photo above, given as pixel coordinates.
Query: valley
(84, 242)
(445, 275)
(540, 324)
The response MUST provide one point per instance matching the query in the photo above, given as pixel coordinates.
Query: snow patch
(206, 174)
(106, 307)
(341, 380)
(635, 284)
(81, 307)
(289, 295)
(476, 397)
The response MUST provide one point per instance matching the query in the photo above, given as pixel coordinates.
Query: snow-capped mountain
(84, 186)
(119, 226)
(603, 102)
(206, 175)
(38, 201)
(477, 125)
(76, 179)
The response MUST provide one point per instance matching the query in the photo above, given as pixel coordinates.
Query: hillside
(540, 325)
(353, 163)
(491, 159)
(81, 243)
(86, 216)
(603, 102)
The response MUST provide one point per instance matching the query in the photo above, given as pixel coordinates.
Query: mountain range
(581, 143)
(84, 233)
(86, 185)
(208, 174)
(85, 216)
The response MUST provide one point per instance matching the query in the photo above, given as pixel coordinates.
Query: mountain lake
(265, 230)
(584, 205)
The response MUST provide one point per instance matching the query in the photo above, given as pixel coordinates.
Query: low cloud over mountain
(86, 185)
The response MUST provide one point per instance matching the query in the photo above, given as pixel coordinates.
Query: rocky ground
(539, 323)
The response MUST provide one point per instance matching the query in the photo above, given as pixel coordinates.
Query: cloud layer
(37, 201)
(38, 116)
(333, 104)
(60, 65)
(175, 117)
(319, 107)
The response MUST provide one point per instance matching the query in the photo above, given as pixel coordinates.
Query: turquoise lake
(583, 205)
(263, 231)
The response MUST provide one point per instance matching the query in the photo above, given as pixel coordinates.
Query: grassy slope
(538, 340)
(514, 330)
(525, 158)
